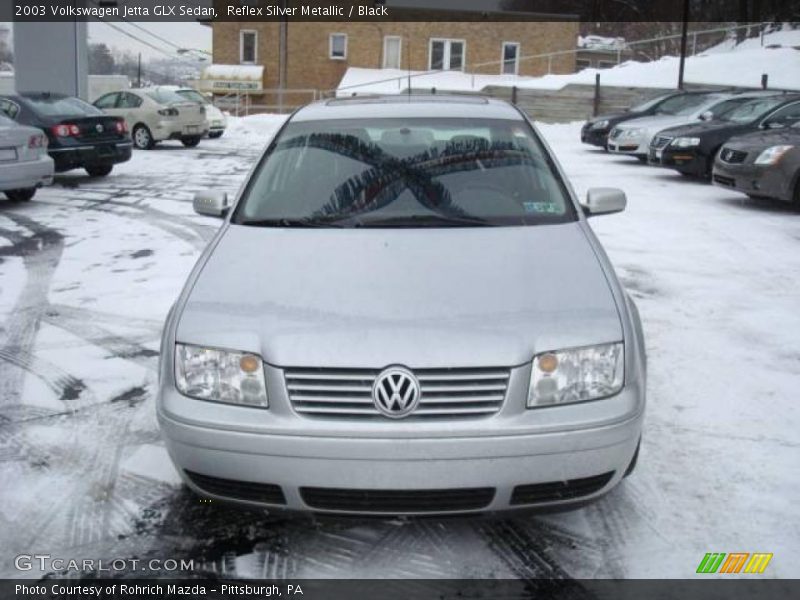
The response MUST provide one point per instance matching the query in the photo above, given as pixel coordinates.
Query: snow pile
(233, 72)
(741, 66)
(598, 42)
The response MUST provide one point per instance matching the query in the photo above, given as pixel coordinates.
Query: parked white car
(156, 114)
(216, 120)
(24, 162)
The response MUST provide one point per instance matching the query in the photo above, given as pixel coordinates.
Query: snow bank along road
(89, 269)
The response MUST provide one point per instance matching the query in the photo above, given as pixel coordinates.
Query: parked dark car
(79, 135)
(691, 149)
(595, 131)
(765, 164)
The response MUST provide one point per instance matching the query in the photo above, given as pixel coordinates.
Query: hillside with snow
(727, 64)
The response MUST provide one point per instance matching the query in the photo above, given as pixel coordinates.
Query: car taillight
(37, 141)
(121, 126)
(168, 112)
(66, 130)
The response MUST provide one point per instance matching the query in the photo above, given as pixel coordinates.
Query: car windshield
(193, 95)
(165, 96)
(63, 105)
(405, 173)
(681, 105)
(647, 104)
(755, 109)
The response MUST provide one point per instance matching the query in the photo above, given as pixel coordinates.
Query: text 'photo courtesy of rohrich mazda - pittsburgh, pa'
(402, 299)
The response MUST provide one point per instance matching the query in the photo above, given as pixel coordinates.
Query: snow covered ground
(89, 269)
(726, 64)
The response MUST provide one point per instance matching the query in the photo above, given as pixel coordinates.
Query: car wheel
(215, 134)
(22, 195)
(99, 170)
(191, 142)
(142, 138)
(642, 159)
(796, 197)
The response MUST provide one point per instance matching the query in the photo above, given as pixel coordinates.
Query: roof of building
(401, 105)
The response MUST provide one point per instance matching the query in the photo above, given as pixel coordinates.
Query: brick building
(315, 55)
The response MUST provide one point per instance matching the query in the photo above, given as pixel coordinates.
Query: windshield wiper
(426, 221)
(292, 223)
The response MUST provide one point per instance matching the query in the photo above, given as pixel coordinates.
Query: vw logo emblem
(396, 392)
(99, 128)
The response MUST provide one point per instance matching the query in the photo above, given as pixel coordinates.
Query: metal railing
(282, 100)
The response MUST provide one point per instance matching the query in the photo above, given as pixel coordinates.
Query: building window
(392, 50)
(447, 54)
(510, 64)
(338, 46)
(248, 43)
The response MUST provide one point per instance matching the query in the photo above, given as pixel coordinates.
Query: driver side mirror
(211, 203)
(604, 201)
(707, 116)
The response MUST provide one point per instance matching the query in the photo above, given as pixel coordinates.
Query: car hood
(657, 123)
(454, 297)
(704, 127)
(765, 139)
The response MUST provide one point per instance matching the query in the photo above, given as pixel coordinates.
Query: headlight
(685, 142)
(629, 133)
(220, 375)
(772, 155)
(576, 375)
(600, 124)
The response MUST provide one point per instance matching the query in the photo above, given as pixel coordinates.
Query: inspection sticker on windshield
(540, 207)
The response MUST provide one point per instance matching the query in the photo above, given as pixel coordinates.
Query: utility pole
(684, 35)
(139, 72)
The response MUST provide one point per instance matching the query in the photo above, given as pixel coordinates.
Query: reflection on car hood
(765, 139)
(698, 129)
(419, 297)
(657, 123)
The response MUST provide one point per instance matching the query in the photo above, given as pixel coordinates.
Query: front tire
(21, 195)
(99, 170)
(191, 142)
(215, 134)
(142, 138)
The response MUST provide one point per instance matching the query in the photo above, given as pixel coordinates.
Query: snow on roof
(234, 72)
(597, 42)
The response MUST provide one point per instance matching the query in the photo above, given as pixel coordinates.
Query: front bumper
(633, 147)
(28, 174)
(101, 153)
(498, 453)
(594, 137)
(685, 160)
(765, 181)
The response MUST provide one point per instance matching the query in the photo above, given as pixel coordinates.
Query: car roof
(408, 106)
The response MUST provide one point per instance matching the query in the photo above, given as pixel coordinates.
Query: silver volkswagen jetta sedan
(404, 312)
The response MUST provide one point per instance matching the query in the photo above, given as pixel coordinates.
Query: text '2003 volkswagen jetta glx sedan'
(404, 312)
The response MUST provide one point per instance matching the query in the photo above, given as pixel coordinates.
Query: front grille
(240, 490)
(398, 501)
(535, 493)
(660, 141)
(722, 180)
(444, 393)
(732, 157)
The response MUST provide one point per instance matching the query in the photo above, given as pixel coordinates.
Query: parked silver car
(405, 311)
(634, 137)
(24, 162)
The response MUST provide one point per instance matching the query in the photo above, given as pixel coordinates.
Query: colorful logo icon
(735, 562)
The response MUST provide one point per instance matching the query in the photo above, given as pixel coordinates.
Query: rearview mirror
(604, 201)
(707, 116)
(211, 203)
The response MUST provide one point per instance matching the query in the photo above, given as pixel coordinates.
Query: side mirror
(604, 201)
(707, 116)
(771, 125)
(211, 203)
